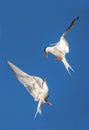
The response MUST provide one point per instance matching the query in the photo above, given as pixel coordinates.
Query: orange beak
(44, 80)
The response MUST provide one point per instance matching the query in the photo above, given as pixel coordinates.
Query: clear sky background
(26, 28)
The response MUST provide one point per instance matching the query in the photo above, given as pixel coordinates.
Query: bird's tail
(67, 66)
(38, 109)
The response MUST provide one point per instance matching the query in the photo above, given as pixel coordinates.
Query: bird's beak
(46, 54)
(44, 80)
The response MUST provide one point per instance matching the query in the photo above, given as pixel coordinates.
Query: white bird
(35, 85)
(60, 48)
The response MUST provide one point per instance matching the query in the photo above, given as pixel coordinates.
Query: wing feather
(32, 83)
(71, 25)
(62, 45)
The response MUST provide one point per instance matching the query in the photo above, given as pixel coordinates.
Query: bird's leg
(49, 103)
(58, 58)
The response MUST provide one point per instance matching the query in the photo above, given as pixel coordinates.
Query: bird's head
(45, 52)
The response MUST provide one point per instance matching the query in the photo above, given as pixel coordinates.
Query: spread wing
(32, 83)
(62, 45)
(70, 26)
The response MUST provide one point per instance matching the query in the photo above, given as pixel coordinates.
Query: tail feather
(67, 66)
(38, 109)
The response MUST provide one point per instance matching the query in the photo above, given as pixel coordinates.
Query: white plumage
(35, 85)
(61, 47)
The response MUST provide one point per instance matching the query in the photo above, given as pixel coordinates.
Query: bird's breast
(57, 53)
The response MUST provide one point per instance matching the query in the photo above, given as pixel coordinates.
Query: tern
(61, 48)
(35, 85)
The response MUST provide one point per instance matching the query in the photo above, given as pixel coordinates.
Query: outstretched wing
(62, 45)
(32, 83)
(70, 26)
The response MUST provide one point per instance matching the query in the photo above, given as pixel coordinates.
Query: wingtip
(8, 63)
(77, 18)
(6, 60)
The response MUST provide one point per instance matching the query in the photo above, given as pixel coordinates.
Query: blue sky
(26, 28)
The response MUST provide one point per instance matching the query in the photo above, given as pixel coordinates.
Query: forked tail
(67, 66)
(38, 109)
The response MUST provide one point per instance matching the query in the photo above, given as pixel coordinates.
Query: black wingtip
(77, 18)
(74, 21)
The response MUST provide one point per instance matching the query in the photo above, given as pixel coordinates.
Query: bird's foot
(58, 58)
(49, 103)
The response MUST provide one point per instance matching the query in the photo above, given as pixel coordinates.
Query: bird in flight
(35, 85)
(60, 48)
